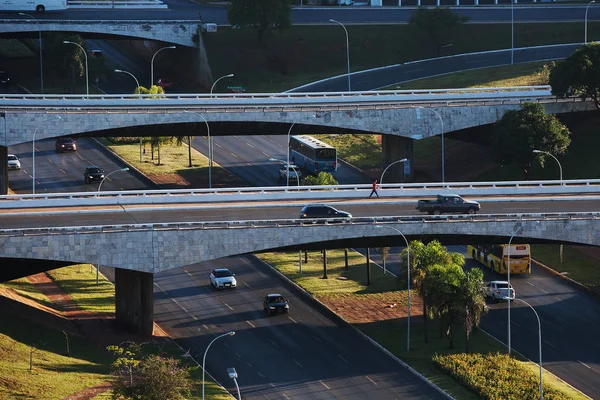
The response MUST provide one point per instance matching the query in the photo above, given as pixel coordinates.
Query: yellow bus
(495, 257)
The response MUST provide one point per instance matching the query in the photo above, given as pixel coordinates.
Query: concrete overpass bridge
(401, 116)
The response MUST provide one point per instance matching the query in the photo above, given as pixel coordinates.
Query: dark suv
(323, 211)
(93, 174)
(65, 144)
(275, 304)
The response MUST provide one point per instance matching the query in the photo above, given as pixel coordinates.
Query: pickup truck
(448, 204)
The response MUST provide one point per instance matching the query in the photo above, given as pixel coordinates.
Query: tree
(322, 179)
(579, 74)
(472, 301)
(261, 15)
(521, 131)
(436, 22)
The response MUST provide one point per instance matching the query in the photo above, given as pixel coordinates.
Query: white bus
(33, 5)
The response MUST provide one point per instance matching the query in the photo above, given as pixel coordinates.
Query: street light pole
(136, 81)
(586, 14)
(215, 83)
(512, 32)
(234, 375)
(539, 342)
(442, 122)
(555, 159)
(210, 157)
(231, 333)
(288, 165)
(33, 156)
(109, 174)
(40, 40)
(347, 51)
(87, 84)
(386, 168)
(520, 228)
(152, 63)
(287, 176)
(408, 277)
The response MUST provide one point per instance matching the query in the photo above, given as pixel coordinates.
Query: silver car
(222, 278)
(13, 162)
(500, 290)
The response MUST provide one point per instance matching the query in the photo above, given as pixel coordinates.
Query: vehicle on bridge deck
(500, 290)
(322, 211)
(222, 278)
(495, 257)
(275, 304)
(312, 155)
(448, 204)
(39, 6)
(13, 162)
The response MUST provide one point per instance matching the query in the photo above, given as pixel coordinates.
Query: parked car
(13, 162)
(93, 174)
(63, 144)
(164, 84)
(316, 211)
(291, 170)
(275, 304)
(222, 278)
(448, 204)
(500, 290)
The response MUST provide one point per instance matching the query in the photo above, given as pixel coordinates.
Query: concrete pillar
(134, 301)
(368, 266)
(324, 263)
(346, 259)
(394, 148)
(3, 170)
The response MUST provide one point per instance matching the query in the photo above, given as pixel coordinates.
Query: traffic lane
(19, 218)
(63, 172)
(272, 353)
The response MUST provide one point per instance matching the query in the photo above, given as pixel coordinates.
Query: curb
(342, 322)
(572, 282)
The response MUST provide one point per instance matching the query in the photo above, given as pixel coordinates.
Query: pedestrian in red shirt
(375, 187)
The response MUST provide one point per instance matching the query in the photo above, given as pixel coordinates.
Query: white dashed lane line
(584, 364)
(250, 323)
(248, 144)
(233, 155)
(274, 344)
(343, 359)
(300, 365)
(228, 306)
(323, 383)
(372, 381)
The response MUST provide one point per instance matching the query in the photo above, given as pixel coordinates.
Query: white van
(33, 5)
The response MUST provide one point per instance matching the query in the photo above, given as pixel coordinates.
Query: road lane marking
(250, 323)
(549, 344)
(225, 344)
(233, 155)
(343, 359)
(293, 320)
(557, 298)
(248, 286)
(238, 355)
(205, 327)
(248, 164)
(300, 365)
(374, 383)
(323, 383)
(228, 306)
(530, 284)
(193, 316)
(248, 144)
(217, 144)
(248, 364)
(274, 344)
(318, 340)
(515, 324)
(544, 291)
(285, 395)
(584, 364)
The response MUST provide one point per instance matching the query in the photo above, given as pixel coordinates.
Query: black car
(4, 79)
(275, 304)
(65, 144)
(93, 174)
(323, 211)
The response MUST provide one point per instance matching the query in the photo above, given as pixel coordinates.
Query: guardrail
(306, 193)
(523, 93)
(285, 223)
(120, 4)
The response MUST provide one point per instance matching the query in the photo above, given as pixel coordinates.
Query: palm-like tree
(472, 301)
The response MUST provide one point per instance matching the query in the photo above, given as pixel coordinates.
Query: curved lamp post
(386, 168)
(109, 174)
(87, 84)
(215, 83)
(442, 122)
(288, 164)
(152, 63)
(210, 149)
(40, 39)
(347, 50)
(555, 159)
(287, 176)
(408, 277)
(539, 341)
(33, 156)
(586, 14)
(133, 76)
(234, 375)
(231, 333)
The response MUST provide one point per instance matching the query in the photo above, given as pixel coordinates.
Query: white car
(500, 290)
(222, 278)
(13, 162)
(291, 170)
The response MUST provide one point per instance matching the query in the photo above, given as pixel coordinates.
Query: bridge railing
(284, 223)
(120, 4)
(398, 191)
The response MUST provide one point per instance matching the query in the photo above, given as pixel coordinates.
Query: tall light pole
(40, 40)
(287, 177)
(515, 232)
(152, 63)
(586, 14)
(136, 81)
(287, 166)
(555, 159)
(539, 341)
(234, 375)
(109, 174)
(442, 122)
(33, 156)
(215, 83)
(210, 150)
(386, 168)
(347, 50)
(87, 84)
(231, 333)
(408, 278)
(512, 32)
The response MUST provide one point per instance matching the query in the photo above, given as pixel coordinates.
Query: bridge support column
(395, 148)
(3, 170)
(134, 301)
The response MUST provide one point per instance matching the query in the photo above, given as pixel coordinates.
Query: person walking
(375, 187)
